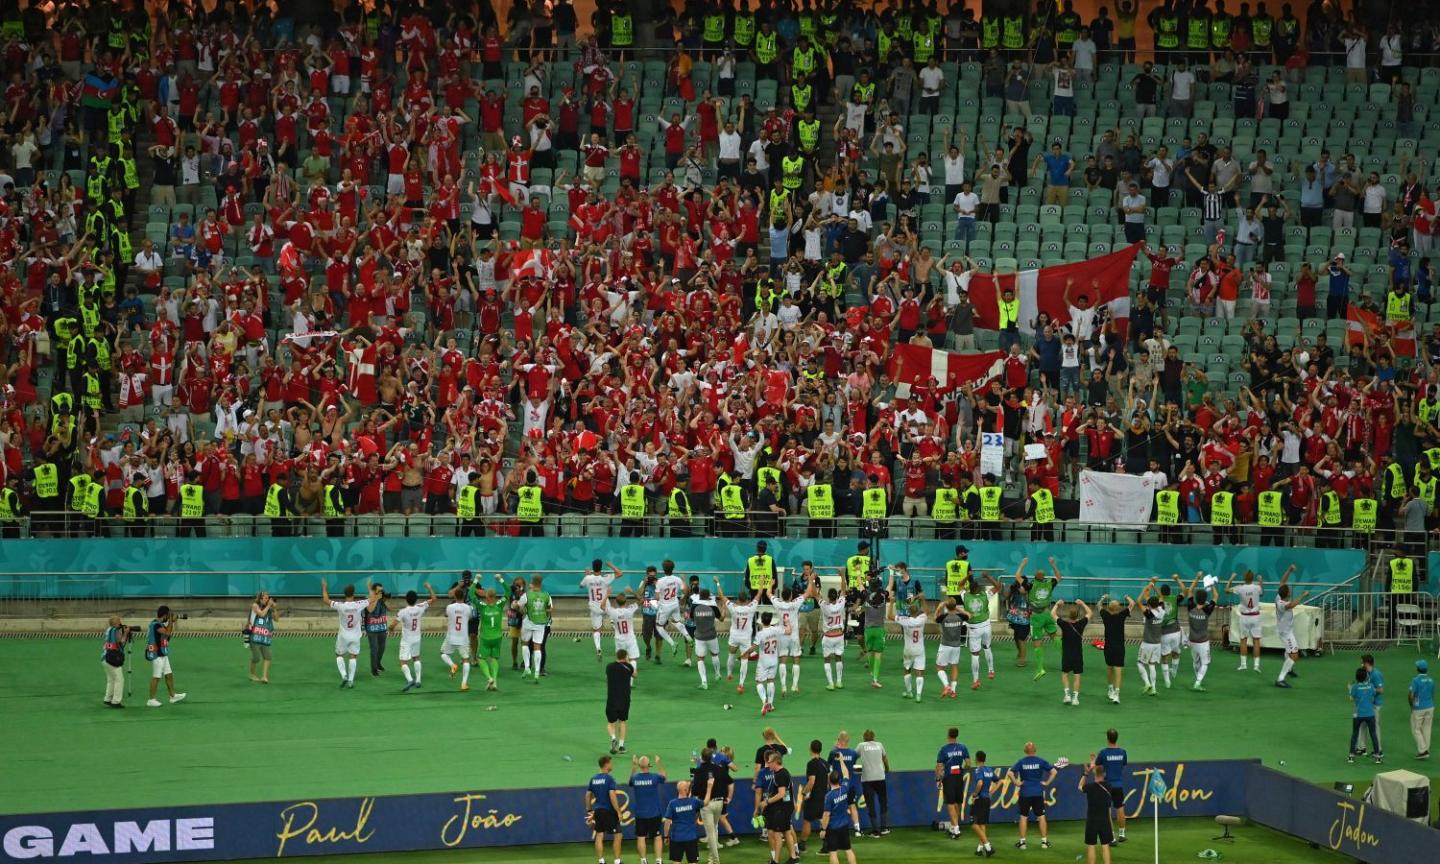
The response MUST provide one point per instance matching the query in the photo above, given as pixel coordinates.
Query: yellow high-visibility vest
(732, 503)
(1167, 507)
(192, 501)
(47, 480)
(1397, 479)
(990, 503)
(632, 501)
(1330, 509)
(873, 504)
(135, 504)
(1009, 314)
(819, 501)
(92, 500)
(957, 576)
(1044, 506)
(1402, 576)
(857, 571)
(1222, 509)
(331, 511)
(465, 502)
(679, 503)
(529, 508)
(1271, 511)
(273, 506)
(762, 571)
(1362, 518)
(766, 49)
(622, 31)
(944, 507)
(1397, 307)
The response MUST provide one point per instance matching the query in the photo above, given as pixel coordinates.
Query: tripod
(129, 669)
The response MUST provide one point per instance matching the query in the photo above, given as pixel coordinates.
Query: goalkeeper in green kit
(491, 610)
(1042, 623)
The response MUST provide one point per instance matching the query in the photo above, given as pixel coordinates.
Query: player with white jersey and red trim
(457, 634)
(741, 642)
(347, 640)
(622, 626)
(912, 641)
(768, 642)
(407, 621)
(597, 589)
(833, 613)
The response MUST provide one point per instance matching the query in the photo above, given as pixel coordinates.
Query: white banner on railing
(1115, 498)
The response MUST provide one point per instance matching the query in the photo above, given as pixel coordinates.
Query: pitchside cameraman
(157, 651)
(113, 661)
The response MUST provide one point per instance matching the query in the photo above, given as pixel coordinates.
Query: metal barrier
(756, 525)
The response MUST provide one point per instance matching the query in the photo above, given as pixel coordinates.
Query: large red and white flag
(1104, 281)
(531, 262)
(1361, 323)
(916, 366)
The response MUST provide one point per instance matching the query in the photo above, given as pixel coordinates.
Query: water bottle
(694, 758)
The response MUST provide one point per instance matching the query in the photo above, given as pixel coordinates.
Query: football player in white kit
(347, 641)
(1247, 612)
(788, 605)
(740, 643)
(597, 588)
(669, 588)
(457, 635)
(622, 627)
(912, 640)
(407, 622)
(1285, 626)
(768, 642)
(832, 643)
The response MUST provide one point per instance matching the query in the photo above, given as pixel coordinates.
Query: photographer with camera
(157, 651)
(260, 634)
(113, 660)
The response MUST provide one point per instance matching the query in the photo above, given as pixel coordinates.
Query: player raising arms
(788, 605)
(912, 641)
(457, 634)
(1042, 623)
(597, 587)
(1247, 612)
(832, 644)
(975, 602)
(1199, 607)
(668, 589)
(768, 640)
(1285, 625)
(740, 642)
(347, 641)
(407, 621)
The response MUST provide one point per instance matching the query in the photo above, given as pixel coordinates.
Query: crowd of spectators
(404, 256)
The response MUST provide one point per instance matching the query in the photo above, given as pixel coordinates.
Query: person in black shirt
(779, 808)
(618, 681)
(1113, 617)
(1072, 646)
(812, 794)
(1097, 813)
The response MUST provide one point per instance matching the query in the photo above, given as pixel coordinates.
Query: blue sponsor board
(1339, 822)
(403, 823)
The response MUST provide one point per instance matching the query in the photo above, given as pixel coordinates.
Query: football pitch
(302, 737)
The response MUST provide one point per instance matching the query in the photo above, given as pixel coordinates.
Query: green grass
(304, 725)
(1180, 840)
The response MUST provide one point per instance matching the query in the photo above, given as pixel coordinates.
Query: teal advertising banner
(45, 568)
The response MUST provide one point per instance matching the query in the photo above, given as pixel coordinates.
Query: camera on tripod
(132, 630)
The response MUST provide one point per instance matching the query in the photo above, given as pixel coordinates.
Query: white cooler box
(1309, 627)
(1404, 793)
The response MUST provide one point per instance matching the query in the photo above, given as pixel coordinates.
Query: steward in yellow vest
(192, 507)
(874, 503)
(333, 502)
(1402, 575)
(857, 570)
(760, 570)
(1363, 513)
(957, 573)
(135, 506)
(678, 512)
(529, 509)
(279, 510)
(632, 507)
(467, 507)
(1041, 504)
(10, 509)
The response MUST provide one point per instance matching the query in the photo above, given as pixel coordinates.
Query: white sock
(794, 676)
(1165, 671)
(974, 667)
(744, 669)
(829, 674)
(1285, 668)
(350, 670)
(839, 672)
(405, 670)
(760, 691)
(1257, 661)
(944, 679)
(1244, 661)
(538, 656)
(525, 657)
(906, 678)
(1144, 673)
(340, 664)
(1067, 694)
(448, 661)
(1201, 669)
(704, 681)
(715, 664)
(665, 634)
(465, 673)
(919, 684)
(595, 634)
(989, 663)
(416, 664)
